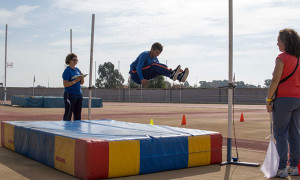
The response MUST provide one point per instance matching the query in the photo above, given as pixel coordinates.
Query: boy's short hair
(70, 57)
(157, 46)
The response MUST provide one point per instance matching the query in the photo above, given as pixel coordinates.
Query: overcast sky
(194, 34)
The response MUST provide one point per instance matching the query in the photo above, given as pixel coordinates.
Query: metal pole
(180, 92)
(95, 73)
(71, 40)
(91, 67)
(166, 94)
(95, 77)
(119, 94)
(229, 132)
(230, 97)
(33, 85)
(141, 93)
(5, 65)
(129, 78)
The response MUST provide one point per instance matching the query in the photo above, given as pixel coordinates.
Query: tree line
(109, 77)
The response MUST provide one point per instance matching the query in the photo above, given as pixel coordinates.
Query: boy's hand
(144, 82)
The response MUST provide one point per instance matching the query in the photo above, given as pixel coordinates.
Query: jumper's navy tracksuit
(145, 67)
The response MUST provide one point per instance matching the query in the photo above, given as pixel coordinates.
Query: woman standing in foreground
(286, 106)
(73, 94)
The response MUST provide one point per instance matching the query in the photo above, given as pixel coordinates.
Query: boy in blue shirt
(146, 67)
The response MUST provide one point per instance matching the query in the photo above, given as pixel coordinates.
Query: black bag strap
(286, 78)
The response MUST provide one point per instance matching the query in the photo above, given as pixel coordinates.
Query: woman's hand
(81, 79)
(78, 78)
(269, 106)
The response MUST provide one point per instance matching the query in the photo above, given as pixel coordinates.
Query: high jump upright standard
(91, 67)
(230, 97)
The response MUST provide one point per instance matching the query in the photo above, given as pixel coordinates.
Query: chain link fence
(190, 95)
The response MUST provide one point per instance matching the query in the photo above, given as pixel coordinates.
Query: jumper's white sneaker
(182, 76)
(175, 73)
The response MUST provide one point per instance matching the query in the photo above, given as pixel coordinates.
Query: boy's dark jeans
(73, 105)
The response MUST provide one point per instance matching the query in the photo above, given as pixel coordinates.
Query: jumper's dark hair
(291, 41)
(157, 46)
(70, 57)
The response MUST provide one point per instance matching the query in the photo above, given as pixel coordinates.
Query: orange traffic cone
(242, 118)
(183, 122)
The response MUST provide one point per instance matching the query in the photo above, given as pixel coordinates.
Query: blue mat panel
(35, 144)
(161, 154)
(50, 101)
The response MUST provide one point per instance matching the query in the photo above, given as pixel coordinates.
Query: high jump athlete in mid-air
(146, 67)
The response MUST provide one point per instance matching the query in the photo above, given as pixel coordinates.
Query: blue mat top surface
(107, 129)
